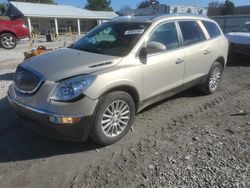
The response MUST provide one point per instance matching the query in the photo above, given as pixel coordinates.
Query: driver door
(165, 70)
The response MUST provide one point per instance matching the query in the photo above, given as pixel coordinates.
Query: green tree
(2, 6)
(101, 5)
(215, 8)
(36, 1)
(228, 8)
(148, 3)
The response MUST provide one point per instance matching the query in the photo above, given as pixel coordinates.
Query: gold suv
(95, 87)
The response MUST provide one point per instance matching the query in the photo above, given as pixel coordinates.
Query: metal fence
(231, 22)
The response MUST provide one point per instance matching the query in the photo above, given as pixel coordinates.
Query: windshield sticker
(134, 32)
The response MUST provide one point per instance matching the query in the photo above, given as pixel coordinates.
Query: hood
(238, 37)
(66, 62)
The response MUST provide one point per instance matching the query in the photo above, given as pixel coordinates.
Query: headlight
(72, 88)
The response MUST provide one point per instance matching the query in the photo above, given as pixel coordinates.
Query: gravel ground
(189, 140)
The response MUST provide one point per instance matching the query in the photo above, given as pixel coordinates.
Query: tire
(213, 79)
(107, 128)
(8, 41)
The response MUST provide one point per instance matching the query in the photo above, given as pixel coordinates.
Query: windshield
(245, 28)
(111, 38)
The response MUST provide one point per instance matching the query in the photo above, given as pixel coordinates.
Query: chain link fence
(230, 23)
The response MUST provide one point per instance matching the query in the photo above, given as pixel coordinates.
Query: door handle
(178, 61)
(206, 52)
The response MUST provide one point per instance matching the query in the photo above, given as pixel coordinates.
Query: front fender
(131, 76)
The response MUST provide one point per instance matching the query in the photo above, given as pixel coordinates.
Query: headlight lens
(72, 88)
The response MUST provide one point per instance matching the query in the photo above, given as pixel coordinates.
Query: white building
(42, 18)
(187, 9)
(165, 9)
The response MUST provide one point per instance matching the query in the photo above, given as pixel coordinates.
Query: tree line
(218, 8)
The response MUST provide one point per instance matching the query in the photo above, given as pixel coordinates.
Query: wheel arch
(221, 60)
(132, 91)
(7, 31)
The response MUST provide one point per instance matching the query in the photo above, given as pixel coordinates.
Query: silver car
(94, 88)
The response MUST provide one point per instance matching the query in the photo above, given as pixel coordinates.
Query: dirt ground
(189, 140)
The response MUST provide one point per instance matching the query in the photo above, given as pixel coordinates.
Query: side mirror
(155, 47)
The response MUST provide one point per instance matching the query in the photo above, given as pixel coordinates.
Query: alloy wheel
(115, 118)
(8, 41)
(215, 79)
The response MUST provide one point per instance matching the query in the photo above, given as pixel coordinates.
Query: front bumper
(39, 122)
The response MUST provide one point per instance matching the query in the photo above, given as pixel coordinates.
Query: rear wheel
(213, 80)
(8, 41)
(114, 117)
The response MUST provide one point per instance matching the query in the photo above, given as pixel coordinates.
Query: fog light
(64, 120)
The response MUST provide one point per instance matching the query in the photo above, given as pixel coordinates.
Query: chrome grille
(26, 80)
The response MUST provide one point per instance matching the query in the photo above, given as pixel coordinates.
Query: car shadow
(18, 143)
(192, 92)
(7, 76)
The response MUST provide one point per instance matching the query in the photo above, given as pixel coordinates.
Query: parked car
(240, 40)
(11, 31)
(95, 88)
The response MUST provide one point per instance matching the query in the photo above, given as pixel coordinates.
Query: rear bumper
(38, 121)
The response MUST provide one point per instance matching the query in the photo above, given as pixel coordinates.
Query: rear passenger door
(217, 42)
(196, 50)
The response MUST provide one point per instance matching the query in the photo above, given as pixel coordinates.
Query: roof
(133, 18)
(60, 11)
(151, 19)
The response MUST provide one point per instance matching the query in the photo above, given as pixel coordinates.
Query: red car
(11, 31)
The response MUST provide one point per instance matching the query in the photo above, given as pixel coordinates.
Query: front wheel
(114, 117)
(213, 79)
(8, 41)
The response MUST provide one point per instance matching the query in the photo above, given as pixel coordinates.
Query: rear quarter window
(212, 29)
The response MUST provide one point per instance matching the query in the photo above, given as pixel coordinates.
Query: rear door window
(191, 32)
(212, 29)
